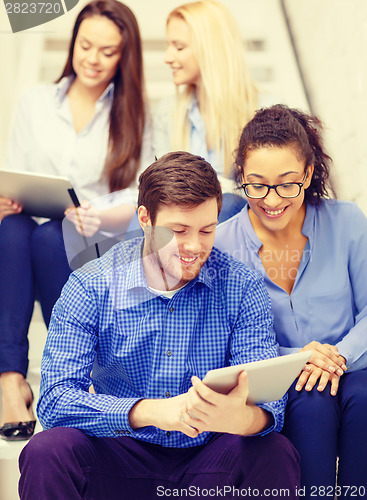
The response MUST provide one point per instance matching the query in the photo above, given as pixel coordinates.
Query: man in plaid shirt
(143, 324)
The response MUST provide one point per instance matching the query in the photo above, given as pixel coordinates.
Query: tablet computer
(268, 379)
(40, 195)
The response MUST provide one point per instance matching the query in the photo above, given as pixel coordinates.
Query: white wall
(331, 36)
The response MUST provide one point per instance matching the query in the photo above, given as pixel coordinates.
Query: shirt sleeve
(288, 350)
(66, 369)
(353, 346)
(254, 334)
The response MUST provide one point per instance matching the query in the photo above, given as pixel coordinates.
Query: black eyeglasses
(286, 190)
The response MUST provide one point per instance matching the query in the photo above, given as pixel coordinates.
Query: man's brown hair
(180, 179)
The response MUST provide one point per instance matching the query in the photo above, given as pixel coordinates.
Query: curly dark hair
(281, 126)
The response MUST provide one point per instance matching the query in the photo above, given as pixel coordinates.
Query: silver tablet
(40, 195)
(269, 379)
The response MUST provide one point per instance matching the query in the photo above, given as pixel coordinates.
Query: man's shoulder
(231, 268)
(113, 261)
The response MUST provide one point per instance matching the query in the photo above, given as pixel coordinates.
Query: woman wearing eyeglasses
(312, 251)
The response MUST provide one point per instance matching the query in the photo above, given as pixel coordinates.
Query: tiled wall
(331, 36)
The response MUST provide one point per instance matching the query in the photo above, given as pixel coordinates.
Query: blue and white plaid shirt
(110, 329)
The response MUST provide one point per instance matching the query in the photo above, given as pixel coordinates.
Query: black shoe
(17, 431)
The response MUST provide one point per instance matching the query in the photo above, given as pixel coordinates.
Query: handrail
(293, 43)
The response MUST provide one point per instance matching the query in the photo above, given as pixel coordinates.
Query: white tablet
(269, 379)
(40, 195)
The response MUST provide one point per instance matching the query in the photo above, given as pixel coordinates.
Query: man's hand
(201, 409)
(166, 414)
(86, 219)
(208, 410)
(8, 207)
(312, 373)
(326, 357)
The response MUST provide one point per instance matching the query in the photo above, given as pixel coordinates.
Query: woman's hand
(326, 357)
(312, 373)
(86, 219)
(8, 207)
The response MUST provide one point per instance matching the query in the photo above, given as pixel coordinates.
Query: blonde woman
(215, 94)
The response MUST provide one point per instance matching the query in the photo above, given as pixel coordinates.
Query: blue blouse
(162, 131)
(328, 302)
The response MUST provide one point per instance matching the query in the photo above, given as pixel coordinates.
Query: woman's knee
(353, 391)
(16, 230)
(47, 235)
(312, 405)
(48, 244)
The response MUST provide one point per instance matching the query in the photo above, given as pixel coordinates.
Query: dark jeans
(64, 463)
(322, 427)
(32, 260)
(34, 263)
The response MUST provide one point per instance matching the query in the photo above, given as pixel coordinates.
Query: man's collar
(134, 276)
(206, 276)
(134, 272)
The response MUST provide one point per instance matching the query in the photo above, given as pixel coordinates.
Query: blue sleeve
(66, 368)
(288, 350)
(254, 334)
(353, 346)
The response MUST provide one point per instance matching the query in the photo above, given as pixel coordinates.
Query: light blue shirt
(328, 302)
(44, 141)
(163, 126)
(198, 144)
(139, 344)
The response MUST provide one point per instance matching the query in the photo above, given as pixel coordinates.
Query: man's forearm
(157, 411)
(142, 413)
(161, 413)
(257, 422)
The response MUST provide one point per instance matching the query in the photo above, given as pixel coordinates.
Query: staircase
(40, 55)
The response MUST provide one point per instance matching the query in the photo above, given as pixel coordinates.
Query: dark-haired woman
(311, 250)
(89, 126)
